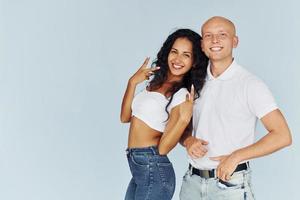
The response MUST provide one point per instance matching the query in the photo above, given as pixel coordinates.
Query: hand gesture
(143, 73)
(186, 108)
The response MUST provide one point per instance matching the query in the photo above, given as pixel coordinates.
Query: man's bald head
(220, 21)
(218, 40)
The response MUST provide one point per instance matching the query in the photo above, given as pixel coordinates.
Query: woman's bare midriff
(141, 135)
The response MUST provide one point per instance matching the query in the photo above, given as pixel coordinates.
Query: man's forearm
(268, 144)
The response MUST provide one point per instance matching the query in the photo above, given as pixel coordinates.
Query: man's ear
(235, 41)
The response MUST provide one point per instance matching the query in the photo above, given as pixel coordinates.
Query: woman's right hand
(143, 73)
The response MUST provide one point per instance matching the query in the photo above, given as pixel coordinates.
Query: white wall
(64, 65)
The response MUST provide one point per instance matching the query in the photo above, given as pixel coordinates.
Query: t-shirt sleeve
(179, 97)
(260, 98)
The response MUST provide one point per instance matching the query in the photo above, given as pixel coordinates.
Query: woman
(160, 113)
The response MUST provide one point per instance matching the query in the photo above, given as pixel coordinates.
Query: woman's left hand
(186, 108)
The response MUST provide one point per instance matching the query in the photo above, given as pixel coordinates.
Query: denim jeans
(238, 187)
(153, 176)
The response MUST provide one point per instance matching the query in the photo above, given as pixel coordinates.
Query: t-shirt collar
(226, 75)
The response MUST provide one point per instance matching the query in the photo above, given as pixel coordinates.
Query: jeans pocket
(140, 159)
(233, 183)
(140, 170)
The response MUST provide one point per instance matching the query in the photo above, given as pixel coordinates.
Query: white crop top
(150, 107)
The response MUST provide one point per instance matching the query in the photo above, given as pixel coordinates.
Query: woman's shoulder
(181, 91)
(179, 97)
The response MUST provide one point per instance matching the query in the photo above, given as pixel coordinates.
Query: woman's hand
(179, 119)
(143, 73)
(186, 108)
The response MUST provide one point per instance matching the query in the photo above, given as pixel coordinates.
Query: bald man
(224, 119)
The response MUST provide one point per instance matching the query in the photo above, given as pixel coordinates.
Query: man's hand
(195, 147)
(226, 167)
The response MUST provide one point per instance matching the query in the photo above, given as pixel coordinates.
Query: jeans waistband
(212, 173)
(152, 150)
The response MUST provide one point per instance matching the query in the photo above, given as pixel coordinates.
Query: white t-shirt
(150, 107)
(226, 113)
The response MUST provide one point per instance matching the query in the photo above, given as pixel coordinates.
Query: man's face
(218, 39)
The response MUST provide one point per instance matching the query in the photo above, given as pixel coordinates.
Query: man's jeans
(153, 176)
(238, 187)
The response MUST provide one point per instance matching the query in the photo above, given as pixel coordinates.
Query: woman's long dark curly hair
(195, 76)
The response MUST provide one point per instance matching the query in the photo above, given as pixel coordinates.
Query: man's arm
(278, 137)
(195, 147)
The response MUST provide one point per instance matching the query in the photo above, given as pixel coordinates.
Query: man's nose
(215, 38)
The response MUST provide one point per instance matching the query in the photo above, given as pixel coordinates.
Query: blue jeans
(153, 176)
(238, 187)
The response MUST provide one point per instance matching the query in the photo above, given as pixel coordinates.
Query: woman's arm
(142, 74)
(180, 117)
(127, 101)
(186, 134)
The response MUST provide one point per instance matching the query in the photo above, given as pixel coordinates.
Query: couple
(217, 100)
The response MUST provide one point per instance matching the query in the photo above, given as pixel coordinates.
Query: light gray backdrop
(64, 65)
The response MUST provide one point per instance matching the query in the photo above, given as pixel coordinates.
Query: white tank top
(150, 107)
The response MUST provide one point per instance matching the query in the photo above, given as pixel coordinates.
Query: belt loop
(215, 173)
(190, 170)
(248, 165)
(127, 151)
(154, 152)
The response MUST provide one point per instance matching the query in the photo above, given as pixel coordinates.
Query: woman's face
(180, 58)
